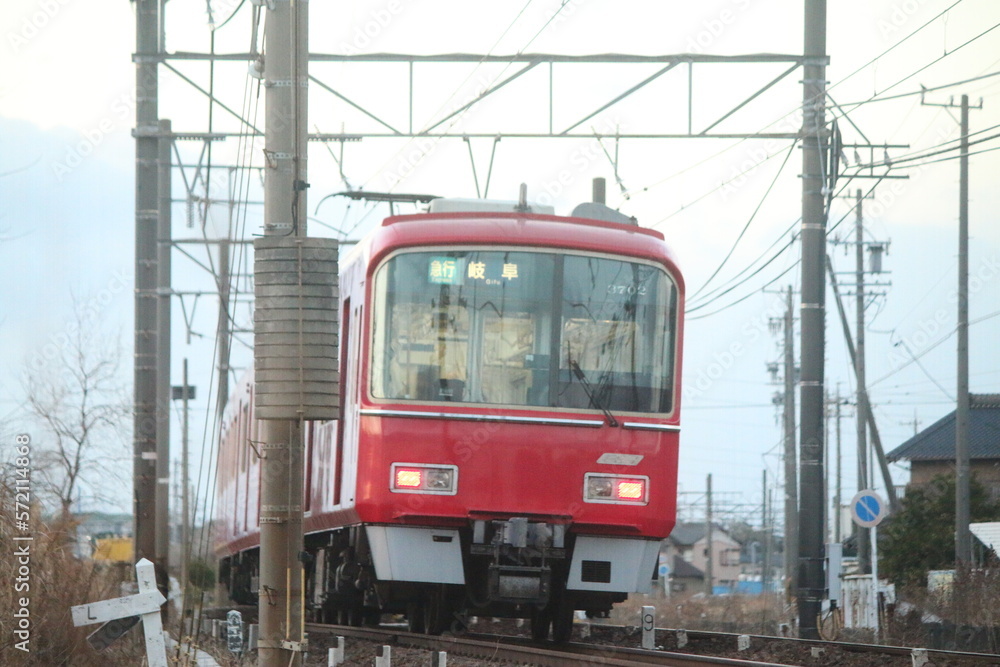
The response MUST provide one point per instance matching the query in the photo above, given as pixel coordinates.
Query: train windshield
(524, 328)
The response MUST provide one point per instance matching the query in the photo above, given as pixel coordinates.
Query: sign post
(120, 614)
(868, 509)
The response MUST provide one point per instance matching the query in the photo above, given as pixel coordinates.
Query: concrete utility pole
(811, 584)
(864, 543)
(963, 537)
(163, 388)
(837, 501)
(281, 604)
(790, 457)
(222, 332)
(186, 395)
(709, 568)
(146, 215)
(765, 572)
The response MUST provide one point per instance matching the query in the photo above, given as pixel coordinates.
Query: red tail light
(618, 489)
(423, 478)
(632, 489)
(408, 478)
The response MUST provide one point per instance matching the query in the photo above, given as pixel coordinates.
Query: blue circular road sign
(868, 509)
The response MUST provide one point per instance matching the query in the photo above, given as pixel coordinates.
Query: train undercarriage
(438, 578)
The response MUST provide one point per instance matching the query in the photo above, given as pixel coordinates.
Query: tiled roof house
(932, 451)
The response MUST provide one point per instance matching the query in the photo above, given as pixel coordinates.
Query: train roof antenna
(522, 202)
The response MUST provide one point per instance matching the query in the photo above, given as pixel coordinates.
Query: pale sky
(66, 156)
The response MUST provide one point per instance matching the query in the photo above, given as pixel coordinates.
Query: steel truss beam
(528, 62)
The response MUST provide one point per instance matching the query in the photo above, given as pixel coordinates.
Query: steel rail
(521, 650)
(934, 655)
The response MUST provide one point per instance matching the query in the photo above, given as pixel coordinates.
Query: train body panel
(516, 470)
(509, 428)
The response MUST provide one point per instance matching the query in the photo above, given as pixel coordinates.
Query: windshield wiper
(585, 383)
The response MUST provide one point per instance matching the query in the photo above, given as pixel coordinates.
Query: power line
(922, 90)
(897, 44)
(742, 299)
(748, 223)
(913, 158)
(931, 63)
(955, 157)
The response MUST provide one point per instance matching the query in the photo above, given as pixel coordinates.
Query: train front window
(524, 329)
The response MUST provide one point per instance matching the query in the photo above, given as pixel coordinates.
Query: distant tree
(921, 536)
(75, 396)
(201, 575)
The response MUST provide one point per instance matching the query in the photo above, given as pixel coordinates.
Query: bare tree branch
(80, 404)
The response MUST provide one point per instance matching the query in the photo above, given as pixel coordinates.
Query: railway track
(616, 645)
(499, 648)
(902, 655)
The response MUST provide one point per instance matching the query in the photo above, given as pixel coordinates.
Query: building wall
(725, 557)
(986, 473)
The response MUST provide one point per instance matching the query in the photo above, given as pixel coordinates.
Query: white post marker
(234, 631)
(146, 604)
(868, 509)
(335, 655)
(649, 628)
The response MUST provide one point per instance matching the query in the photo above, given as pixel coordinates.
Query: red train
(508, 439)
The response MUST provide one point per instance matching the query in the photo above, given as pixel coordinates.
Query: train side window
(345, 385)
(244, 435)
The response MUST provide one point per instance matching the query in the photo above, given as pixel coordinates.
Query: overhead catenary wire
(468, 77)
(753, 215)
(930, 64)
(933, 150)
(828, 89)
(744, 298)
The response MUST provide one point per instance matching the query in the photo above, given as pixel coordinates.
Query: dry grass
(747, 614)
(54, 581)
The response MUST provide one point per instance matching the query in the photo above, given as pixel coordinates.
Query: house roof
(988, 534)
(937, 442)
(687, 534)
(681, 569)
